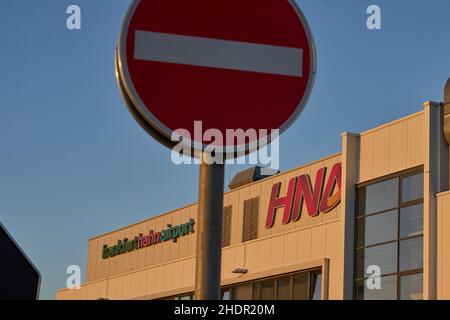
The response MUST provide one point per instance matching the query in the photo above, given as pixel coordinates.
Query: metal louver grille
(251, 219)
(226, 233)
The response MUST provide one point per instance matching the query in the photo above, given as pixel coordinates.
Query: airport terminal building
(319, 231)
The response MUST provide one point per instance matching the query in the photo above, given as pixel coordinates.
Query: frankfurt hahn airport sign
(143, 241)
(233, 65)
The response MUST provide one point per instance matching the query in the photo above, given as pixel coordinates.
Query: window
(316, 286)
(387, 291)
(251, 219)
(389, 235)
(377, 228)
(412, 287)
(303, 285)
(226, 229)
(267, 289)
(412, 187)
(379, 197)
(411, 221)
(384, 256)
(226, 294)
(243, 292)
(284, 288)
(411, 254)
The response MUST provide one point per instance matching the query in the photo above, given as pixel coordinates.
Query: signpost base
(209, 231)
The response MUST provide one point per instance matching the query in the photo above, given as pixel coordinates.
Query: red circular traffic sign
(230, 64)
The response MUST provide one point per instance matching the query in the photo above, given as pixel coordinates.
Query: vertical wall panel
(251, 256)
(188, 272)
(276, 251)
(443, 246)
(290, 249)
(366, 157)
(416, 141)
(446, 246)
(227, 262)
(380, 144)
(333, 249)
(397, 146)
(318, 242)
(304, 246)
(239, 257)
(264, 252)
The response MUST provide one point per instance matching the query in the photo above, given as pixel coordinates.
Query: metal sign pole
(209, 231)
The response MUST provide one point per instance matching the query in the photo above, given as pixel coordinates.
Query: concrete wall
(443, 246)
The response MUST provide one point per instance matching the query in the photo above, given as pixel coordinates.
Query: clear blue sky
(74, 164)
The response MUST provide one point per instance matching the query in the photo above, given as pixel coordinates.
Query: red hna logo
(300, 191)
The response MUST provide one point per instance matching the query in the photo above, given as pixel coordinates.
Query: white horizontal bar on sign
(215, 53)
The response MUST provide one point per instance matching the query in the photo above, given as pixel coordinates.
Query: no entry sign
(235, 64)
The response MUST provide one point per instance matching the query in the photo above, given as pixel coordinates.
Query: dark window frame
(400, 205)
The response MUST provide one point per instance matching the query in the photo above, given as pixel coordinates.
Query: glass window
(284, 288)
(386, 291)
(384, 256)
(304, 285)
(316, 286)
(243, 292)
(411, 221)
(301, 283)
(412, 187)
(389, 229)
(377, 228)
(267, 289)
(411, 254)
(379, 197)
(411, 287)
(256, 291)
(226, 295)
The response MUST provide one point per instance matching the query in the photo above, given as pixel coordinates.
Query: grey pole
(209, 231)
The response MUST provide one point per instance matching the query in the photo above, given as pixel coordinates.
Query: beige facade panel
(443, 246)
(267, 256)
(393, 147)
